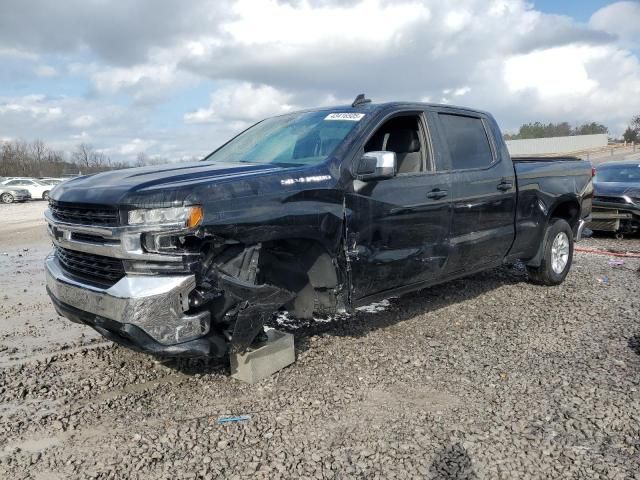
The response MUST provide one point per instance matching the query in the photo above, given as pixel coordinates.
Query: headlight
(190, 217)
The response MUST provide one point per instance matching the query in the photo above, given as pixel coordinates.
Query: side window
(467, 140)
(402, 136)
(14, 182)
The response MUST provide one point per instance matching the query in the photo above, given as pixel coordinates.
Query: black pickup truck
(316, 211)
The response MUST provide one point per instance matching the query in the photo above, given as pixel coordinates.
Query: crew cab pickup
(316, 211)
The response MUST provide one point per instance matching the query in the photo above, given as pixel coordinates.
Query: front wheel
(557, 255)
(45, 196)
(6, 198)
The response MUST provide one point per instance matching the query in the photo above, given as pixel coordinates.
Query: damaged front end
(619, 214)
(246, 285)
(239, 304)
(161, 285)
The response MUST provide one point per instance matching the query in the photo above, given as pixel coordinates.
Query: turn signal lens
(195, 217)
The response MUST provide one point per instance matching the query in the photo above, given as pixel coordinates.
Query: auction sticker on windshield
(352, 117)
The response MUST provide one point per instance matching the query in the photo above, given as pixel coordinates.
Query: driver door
(398, 228)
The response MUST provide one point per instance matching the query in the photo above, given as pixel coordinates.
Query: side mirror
(377, 166)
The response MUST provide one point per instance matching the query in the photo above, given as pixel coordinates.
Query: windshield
(619, 173)
(289, 140)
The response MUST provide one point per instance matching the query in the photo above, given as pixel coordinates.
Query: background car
(616, 201)
(51, 181)
(35, 188)
(12, 194)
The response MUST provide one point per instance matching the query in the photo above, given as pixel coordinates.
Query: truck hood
(133, 185)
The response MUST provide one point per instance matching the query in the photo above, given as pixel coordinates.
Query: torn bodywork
(246, 286)
(198, 291)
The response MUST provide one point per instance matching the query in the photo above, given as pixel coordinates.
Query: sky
(175, 79)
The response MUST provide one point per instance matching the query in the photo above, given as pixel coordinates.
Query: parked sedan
(616, 201)
(51, 181)
(36, 189)
(13, 194)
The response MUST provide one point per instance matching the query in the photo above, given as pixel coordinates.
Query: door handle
(437, 194)
(505, 185)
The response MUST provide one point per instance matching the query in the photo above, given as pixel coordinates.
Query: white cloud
(621, 19)
(8, 52)
(243, 102)
(146, 82)
(553, 72)
(82, 137)
(135, 146)
(457, 20)
(33, 106)
(294, 26)
(83, 121)
(45, 71)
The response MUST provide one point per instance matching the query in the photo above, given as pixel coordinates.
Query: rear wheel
(45, 196)
(6, 198)
(557, 255)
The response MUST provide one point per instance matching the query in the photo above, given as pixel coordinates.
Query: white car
(51, 181)
(35, 188)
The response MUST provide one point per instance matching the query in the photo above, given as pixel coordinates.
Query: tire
(557, 255)
(6, 198)
(45, 196)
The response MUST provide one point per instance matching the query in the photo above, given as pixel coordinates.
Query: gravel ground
(486, 377)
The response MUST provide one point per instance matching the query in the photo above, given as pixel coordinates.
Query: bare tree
(142, 159)
(19, 158)
(82, 155)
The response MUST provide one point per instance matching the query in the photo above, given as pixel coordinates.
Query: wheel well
(305, 267)
(568, 210)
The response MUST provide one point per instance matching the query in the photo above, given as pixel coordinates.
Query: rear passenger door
(483, 192)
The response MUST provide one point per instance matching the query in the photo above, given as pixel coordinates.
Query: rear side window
(467, 141)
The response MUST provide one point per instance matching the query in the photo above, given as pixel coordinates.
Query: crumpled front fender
(256, 304)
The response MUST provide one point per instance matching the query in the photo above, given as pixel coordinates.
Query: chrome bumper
(155, 304)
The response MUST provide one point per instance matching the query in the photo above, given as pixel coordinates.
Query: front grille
(82, 214)
(97, 269)
(599, 198)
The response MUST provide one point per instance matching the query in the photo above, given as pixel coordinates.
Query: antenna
(360, 100)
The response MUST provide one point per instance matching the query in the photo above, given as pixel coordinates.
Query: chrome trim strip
(128, 248)
(112, 231)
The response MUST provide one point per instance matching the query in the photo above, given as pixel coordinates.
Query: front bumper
(146, 313)
(615, 217)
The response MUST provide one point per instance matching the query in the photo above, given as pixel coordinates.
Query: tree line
(35, 159)
(562, 129)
